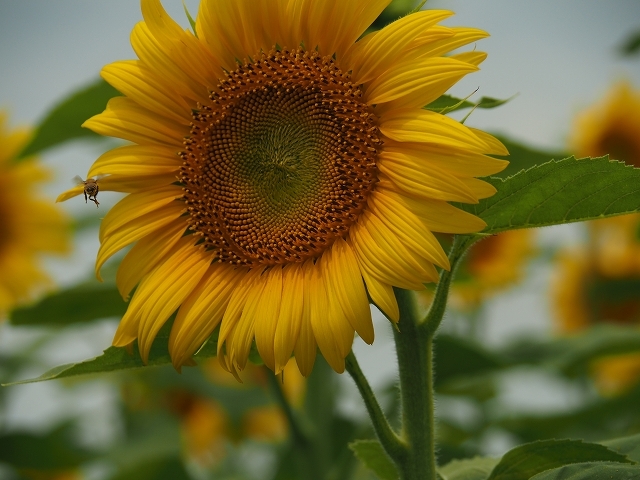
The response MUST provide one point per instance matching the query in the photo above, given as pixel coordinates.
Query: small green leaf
(192, 22)
(117, 358)
(373, 456)
(447, 103)
(75, 305)
(477, 468)
(591, 471)
(559, 192)
(50, 451)
(522, 157)
(629, 446)
(63, 123)
(525, 461)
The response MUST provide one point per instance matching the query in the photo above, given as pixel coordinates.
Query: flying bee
(91, 188)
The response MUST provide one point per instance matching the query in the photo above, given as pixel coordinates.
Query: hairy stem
(392, 444)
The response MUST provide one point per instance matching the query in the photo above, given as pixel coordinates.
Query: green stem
(414, 350)
(414, 347)
(301, 438)
(392, 444)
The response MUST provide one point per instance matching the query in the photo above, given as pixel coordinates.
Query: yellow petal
(429, 183)
(343, 281)
(125, 119)
(438, 216)
(138, 82)
(330, 327)
(422, 126)
(474, 58)
(136, 160)
(290, 318)
(72, 192)
(166, 287)
(417, 83)
(480, 189)
(135, 205)
(306, 346)
(146, 254)
(493, 145)
(382, 296)
(267, 321)
(369, 59)
(202, 311)
(408, 227)
(461, 36)
(138, 227)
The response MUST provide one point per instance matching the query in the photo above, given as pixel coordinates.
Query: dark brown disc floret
(281, 161)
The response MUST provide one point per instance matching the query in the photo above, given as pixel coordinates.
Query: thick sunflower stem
(389, 440)
(414, 347)
(414, 350)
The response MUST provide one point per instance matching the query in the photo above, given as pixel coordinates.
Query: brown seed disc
(280, 162)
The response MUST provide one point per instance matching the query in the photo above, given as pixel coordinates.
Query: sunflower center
(281, 161)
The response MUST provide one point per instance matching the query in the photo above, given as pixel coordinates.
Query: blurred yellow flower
(29, 225)
(493, 264)
(309, 172)
(602, 282)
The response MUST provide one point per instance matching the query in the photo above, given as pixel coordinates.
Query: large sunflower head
(308, 173)
(29, 225)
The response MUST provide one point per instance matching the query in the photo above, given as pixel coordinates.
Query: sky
(555, 56)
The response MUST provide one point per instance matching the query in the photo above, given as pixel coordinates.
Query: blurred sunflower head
(601, 285)
(29, 225)
(611, 127)
(309, 174)
(493, 264)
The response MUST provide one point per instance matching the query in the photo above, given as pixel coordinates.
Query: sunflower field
(319, 239)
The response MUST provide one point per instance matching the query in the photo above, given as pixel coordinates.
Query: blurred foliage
(631, 45)
(63, 123)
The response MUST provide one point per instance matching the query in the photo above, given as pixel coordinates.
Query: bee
(91, 188)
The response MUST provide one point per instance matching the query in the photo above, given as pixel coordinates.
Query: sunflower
(309, 174)
(29, 226)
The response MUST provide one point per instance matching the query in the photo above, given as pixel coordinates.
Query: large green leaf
(117, 358)
(75, 305)
(55, 450)
(525, 461)
(560, 192)
(477, 468)
(63, 123)
(591, 471)
(373, 456)
(629, 446)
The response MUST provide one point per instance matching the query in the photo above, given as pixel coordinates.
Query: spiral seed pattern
(281, 161)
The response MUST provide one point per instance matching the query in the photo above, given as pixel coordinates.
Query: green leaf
(373, 456)
(477, 468)
(395, 10)
(447, 104)
(631, 45)
(75, 305)
(63, 123)
(629, 446)
(460, 357)
(117, 358)
(560, 192)
(522, 157)
(192, 22)
(50, 451)
(524, 461)
(591, 471)
(577, 352)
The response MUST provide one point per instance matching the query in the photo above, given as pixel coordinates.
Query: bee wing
(77, 180)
